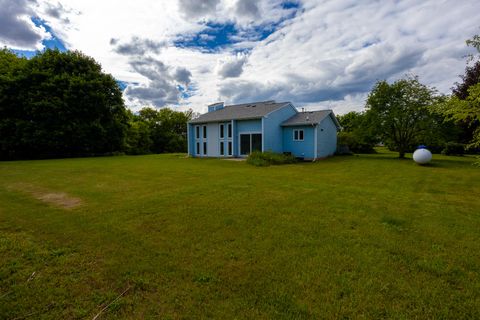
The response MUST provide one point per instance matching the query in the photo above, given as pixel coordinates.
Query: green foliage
(357, 133)
(356, 142)
(467, 110)
(453, 149)
(157, 131)
(265, 159)
(58, 104)
(401, 113)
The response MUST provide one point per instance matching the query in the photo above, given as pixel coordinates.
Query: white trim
(315, 155)
(220, 125)
(204, 132)
(240, 145)
(220, 148)
(197, 137)
(231, 139)
(198, 148)
(263, 137)
(298, 130)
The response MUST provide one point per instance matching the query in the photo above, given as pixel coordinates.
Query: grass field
(164, 236)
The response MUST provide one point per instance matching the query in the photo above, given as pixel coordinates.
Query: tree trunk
(401, 154)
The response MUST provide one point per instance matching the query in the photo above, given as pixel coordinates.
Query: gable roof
(310, 117)
(243, 111)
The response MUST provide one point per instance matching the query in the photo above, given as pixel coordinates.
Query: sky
(186, 54)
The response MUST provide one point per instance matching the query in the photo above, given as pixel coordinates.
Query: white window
(204, 148)
(197, 132)
(222, 148)
(297, 135)
(204, 132)
(229, 129)
(198, 148)
(230, 148)
(222, 131)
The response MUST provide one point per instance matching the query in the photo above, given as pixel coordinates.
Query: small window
(222, 129)
(229, 126)
(197, 132)
(198, 147)
(204, 132)
(222, 148)
(204, 148)
(229, 148)
(297, 135)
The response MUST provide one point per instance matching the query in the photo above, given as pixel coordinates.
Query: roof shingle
(253, 110)
(306, 118)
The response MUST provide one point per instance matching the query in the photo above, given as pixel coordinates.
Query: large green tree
(58, 104)
(464, 105)
(158, 131)
(356, 132)
(401, 113)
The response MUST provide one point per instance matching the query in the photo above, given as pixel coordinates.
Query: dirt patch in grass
(57, 199)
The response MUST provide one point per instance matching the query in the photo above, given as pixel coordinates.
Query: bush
(355, 143)
(264, 159)
(453, 148)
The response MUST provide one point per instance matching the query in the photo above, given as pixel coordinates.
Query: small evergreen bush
(265, 159)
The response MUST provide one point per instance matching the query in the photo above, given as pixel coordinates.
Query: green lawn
(348, 237)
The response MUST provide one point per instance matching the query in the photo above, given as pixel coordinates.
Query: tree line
(61, 104)
(406, 113)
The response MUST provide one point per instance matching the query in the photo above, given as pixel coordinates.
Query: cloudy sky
(190, 53)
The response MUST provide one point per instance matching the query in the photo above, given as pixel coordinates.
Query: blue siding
(234, 138)
(272, 131)
(191, 140)
(248, 126)
(303, 149)
(326, 139)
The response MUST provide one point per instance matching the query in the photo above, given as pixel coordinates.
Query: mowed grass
(366, 236)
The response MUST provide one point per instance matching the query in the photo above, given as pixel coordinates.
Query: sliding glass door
(250, 142)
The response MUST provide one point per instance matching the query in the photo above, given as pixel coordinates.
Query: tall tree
(157, 131)
(356, 132)
(400, 112)
(58, 104)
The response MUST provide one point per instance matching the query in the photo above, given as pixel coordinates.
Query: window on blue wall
(222, 148)
(204, 132)
(222, 129)
(297, 135)
(229, 126)
(198, 147)
(229, 148)
(197, 132)
(204, 148)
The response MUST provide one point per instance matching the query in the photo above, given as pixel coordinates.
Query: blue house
(237, 130)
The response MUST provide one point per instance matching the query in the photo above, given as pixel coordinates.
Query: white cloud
(232, 66)
(16, 27)
(329, 54)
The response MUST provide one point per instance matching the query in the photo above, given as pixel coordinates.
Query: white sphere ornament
(422, 155)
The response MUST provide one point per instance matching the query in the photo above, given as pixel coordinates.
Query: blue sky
(189, 53)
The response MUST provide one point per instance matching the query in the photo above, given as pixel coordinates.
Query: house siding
(272, 130)
(191, 140)
(213, 149)
(249, 126)
(301, 149)
(326, 139)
